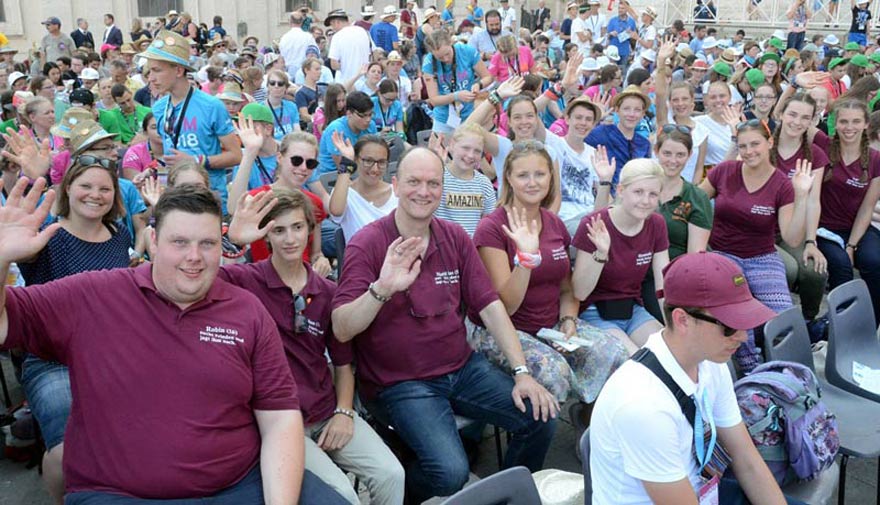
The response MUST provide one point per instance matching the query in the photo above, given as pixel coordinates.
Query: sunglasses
(311, 164)
(727, 330)
(89, 160)
(669, 128)
(753, 123)
(300, 323)
(528, 145)
(279, 84)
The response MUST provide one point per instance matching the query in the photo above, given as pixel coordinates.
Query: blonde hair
(299, 137)
(640, 169)
(506, 44)
(175, 171)
(469, 129)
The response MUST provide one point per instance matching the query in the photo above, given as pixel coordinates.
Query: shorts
(639, 318)
(859, 38)
(47, 389)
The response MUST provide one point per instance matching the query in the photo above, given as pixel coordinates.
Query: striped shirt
(466, 201)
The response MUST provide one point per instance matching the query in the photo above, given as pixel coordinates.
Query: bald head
(419, 157)
(418, 185)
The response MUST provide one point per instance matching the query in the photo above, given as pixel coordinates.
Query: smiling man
(708, 308)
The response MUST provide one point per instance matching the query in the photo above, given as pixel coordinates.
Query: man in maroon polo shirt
(179, 381)
(402, 286)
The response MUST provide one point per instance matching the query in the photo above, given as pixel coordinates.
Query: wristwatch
(346, 166)
(522, 369)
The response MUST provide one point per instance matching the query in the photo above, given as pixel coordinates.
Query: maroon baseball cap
(712, 282)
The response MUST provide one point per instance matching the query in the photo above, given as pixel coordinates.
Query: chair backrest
(514, 486)
(328, 180)
(390, 172)
(786, 338)
(852, 331)
(423, 137)
(585, 465)
(396, 146)
(340, 250)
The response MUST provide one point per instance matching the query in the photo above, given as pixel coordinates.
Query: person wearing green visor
(259, 148)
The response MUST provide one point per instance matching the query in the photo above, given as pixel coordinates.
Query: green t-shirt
(127, 126)
(9, 124)
(691, 206)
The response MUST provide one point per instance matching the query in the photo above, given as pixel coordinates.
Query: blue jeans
(867, 256)
(46, 386)
(328, 238)
(248, 490)
(730, 493)
(421, 412)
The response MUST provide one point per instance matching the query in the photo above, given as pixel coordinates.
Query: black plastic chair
(852, 336)
(340, 250)
(514, 486)
(585, 466)
(786, 338)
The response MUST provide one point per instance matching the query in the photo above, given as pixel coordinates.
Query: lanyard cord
(275, 115)
(175, 133)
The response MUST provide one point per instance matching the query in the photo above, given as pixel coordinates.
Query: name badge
(708, 493)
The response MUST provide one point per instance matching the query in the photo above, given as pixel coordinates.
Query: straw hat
(231, 92)
(631, 91)
(86, 134)
(170, 47)
(128, 48)
(389, 11)
(72, 117)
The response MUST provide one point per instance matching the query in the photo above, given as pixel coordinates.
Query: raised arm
(587, 269)
(339, 195)
(793, 217)
(252, 141)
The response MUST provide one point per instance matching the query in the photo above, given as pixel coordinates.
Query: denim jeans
(867, 256)
(328, 238)
(421, 412)
(47, 387)
(248, 491)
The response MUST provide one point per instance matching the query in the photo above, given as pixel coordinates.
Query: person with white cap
(596, 23)
(565, 29)
(581, 35)
(405, 87)
(508, 16)
(349, 48)
(192, 123)
(708, 308)
(295, 43)
(384, 33)
(860, 29)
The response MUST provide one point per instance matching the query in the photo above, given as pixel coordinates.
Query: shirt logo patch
(448, 277)
(763, 210)
(219, 335)
(464, 201)
(559, 254)
(856, 183)
(644, 258)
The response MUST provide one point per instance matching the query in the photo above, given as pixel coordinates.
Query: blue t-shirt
(618, 25)
(286, 118)
(327, 150)
(618, 146)
(262, 172)
(384, 35)
(447, 16)
(134, 204)
(205, 121)
(465, 58)
(389, 117)
(478, 13)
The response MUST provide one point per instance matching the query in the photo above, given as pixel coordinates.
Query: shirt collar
(658, 346)
(273, 280)
(437, 235)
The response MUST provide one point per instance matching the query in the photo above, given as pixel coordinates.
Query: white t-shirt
(351, 47)
(579, 25)
(359, 212)
(718, 139)
(508, 18)
(577, 179)
(596, 24)
(292, 47)
(647, 33)
(638, 432)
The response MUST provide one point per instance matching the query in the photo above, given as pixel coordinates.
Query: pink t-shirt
(164, 398)
(305, 351)
(629, 259)
(788, 166)
(597, 90)
(559, 127)
(843, 194)
(419, 334)
(501, 68)
(137, 157)
(540, 306)
(745, 223)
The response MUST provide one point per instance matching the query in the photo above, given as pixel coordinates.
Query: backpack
(781, 405)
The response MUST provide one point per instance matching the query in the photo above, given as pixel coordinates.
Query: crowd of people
(419, 214)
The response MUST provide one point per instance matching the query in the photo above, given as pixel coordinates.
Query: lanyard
(515, 69)
(264, 174)
(178, 123)
(703, 453)
(385, 117)
(131, 120)
(278, 119)
(453, 77)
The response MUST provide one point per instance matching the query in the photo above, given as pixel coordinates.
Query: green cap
(836, 62)
(875, 57)
(860, 60)
(258, 112)
(755, 77)
(852, 46)
(769, 56)
(722, 68)
(777, 43)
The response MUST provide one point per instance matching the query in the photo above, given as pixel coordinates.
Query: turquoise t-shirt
(133, 202)
(261, 175)
(327, 150)
(389, 117)
(205, 121)
(286, 118)
(466, 58)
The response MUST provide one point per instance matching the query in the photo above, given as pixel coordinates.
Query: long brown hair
(117, 210)
(806, 150)
(834, 152)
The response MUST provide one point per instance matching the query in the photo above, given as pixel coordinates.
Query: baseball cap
(755, 77)
(712, 282)
(82, 97)
(51, 21)
(394, 56)
(14, 76)
(860, 60)
(257, 112)
(852, 46)
(89, 74)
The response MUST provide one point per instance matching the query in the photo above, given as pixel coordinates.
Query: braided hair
(835, 152)
(806, 149)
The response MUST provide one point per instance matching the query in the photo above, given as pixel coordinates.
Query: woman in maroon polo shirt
(616, 247)
(524, 247)
(753, 198)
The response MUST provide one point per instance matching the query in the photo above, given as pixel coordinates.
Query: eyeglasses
(727, 330)
(669, 128)
(278, 84)
(528, 145)
(300, 323)
(765, 97)
(390, 98)
(363, 115)
(311, 164)
(370, 163)
(89, 160)
(753, 123)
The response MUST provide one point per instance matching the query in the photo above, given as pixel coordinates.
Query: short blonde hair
(640, 169)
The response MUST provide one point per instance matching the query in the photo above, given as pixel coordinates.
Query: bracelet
(375, 294)
(605, 183)
(809, 241)
(527, 260)
(551, 94)
(563, 319)
(852, 246)
(207, 162)
(455, 97)
(494, 98)
(597, 259)
(345, 412)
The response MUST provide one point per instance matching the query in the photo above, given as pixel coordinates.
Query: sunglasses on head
(669, 128)
(277, 83)
(753, 123)
(311, 164)
(299, 320)
(88, 160)
(727, 330)
(528, 145)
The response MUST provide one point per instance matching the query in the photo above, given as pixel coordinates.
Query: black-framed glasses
(669, 128)
(311, 163)
(87, 160)
(363, 115)
(370, 163)
(727, 330)
(300, 323)
(279, 84)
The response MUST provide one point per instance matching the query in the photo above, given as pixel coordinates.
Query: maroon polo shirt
(843, 194)
(163, 398)
(305, 351)
(420, 332)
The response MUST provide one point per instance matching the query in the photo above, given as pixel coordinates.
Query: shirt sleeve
(580, 240)
(661, 234)
(725, 409)
(222, 121)
(648, 449)
(428, 65)
(785, 195)
(361, 267)
(489, 200)
(702, 213)
(490, 234)
(477, 290)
